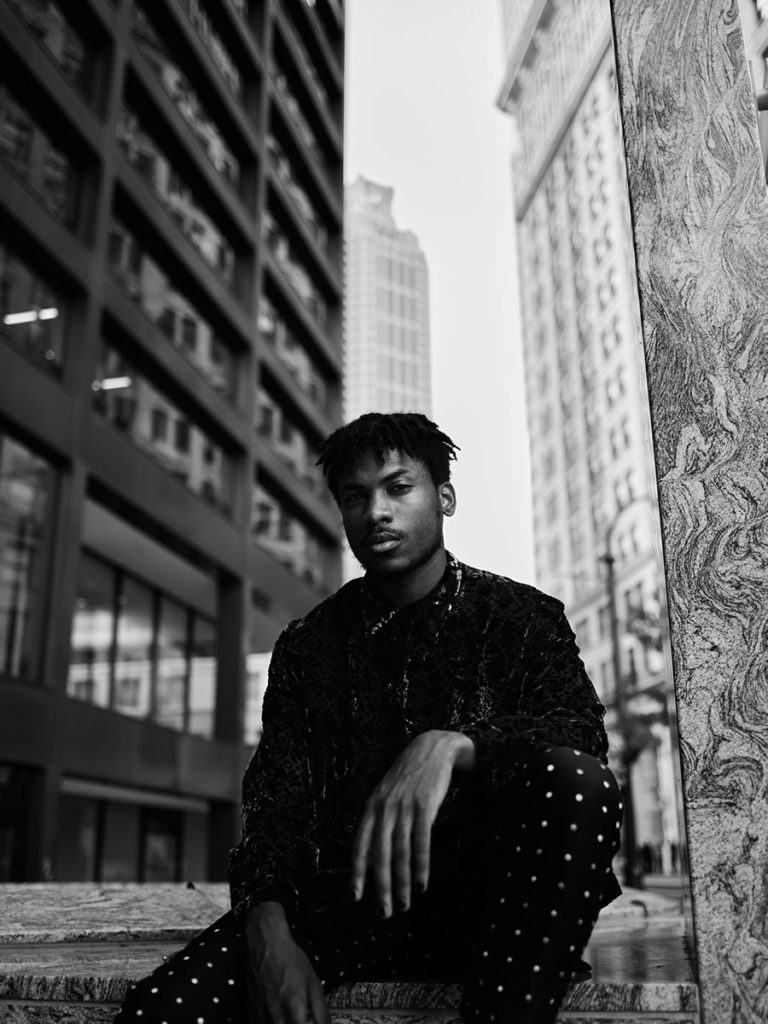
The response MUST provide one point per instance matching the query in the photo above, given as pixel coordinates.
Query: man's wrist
(265, 919)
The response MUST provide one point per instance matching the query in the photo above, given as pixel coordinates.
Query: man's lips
(382, 541)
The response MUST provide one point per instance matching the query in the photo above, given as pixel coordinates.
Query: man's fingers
(421, 843)
(382, 861)
(402, 861)
(317, 1003)
(360, 849)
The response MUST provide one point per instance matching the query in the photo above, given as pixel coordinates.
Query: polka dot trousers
(508, 912)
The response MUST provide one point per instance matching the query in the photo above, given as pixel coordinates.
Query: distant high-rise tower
(386, 315)
(592, 472)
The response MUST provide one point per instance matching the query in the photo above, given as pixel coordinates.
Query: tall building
(588, 422)
(171, 208)
(386, 308)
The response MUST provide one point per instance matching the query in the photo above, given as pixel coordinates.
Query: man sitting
(430, 796)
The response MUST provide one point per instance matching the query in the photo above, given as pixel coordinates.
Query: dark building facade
(170, 357)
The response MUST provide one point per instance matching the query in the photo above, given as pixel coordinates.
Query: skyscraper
(386, 308)
(592, 470)
(170, 358)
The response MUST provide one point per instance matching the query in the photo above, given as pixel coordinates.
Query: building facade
(386, 308)
(171, 208)
(592, 467)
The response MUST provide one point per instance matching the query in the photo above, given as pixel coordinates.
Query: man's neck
(403, 590)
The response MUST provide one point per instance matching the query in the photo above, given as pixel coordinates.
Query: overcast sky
(422, 78)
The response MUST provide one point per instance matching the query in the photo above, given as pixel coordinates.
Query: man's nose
(378, 509)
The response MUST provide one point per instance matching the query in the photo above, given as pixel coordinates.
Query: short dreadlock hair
(379, 433)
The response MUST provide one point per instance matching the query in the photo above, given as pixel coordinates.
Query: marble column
(700, 214)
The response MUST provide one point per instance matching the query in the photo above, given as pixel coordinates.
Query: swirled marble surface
(700, 216)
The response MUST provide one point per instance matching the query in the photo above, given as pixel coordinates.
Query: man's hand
(283, 986)
(394, 832)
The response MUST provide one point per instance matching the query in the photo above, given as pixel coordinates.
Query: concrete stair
(68, 953)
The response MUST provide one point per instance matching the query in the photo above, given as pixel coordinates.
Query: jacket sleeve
(546, 699)
(276, 851)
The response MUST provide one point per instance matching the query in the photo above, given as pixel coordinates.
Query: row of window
(292, 264)
(278, 530)
(31, 153)
(295, 356)
(290, 441)
(141, 653)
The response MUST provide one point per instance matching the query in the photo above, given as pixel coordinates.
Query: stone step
(68, 953)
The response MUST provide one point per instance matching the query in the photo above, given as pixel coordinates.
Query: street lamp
(631, 876)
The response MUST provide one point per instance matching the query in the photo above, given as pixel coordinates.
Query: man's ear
(447, 498)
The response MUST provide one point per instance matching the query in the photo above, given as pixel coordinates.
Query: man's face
(393, 512)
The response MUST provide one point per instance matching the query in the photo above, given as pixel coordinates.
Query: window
(140, 652)
(93, 638)
(132, 676)
(182, 203)
(171, 665)
(294, 355)
(32, 155)
(26, 491)
(145, 281)
(202, 678)
(182, 435)
(159, 424)
(633, 600)
(63, 41)
(185, 97)
(144, 412)
(604, 621)
(31, 311)
(582, 631)
(280, 531)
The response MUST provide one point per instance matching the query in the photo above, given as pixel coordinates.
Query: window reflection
(185, 97)
(26, 483)
(179, 320)
(284, 535)
(62, 40)
(127, 399)
(179, 199)
(92, 633)
(132, 674)
(31, 312)
(292, 354)
(299, 119)
(289, 441)
(202, 678)
(140, 652)
(285, 172)
(217, 51)
(170, 690)
(29, 152)
(284, 252)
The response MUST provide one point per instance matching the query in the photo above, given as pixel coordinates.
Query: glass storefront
(26, 491)
(127, 400)
(140, 652)
(167, 306)
(111, 840)
(32, 313)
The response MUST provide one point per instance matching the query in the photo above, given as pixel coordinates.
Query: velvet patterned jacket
(353, 682)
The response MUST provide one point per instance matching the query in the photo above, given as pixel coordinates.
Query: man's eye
(400, 488)
(350, 498)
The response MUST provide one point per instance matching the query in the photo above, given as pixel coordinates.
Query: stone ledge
(77, 972)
